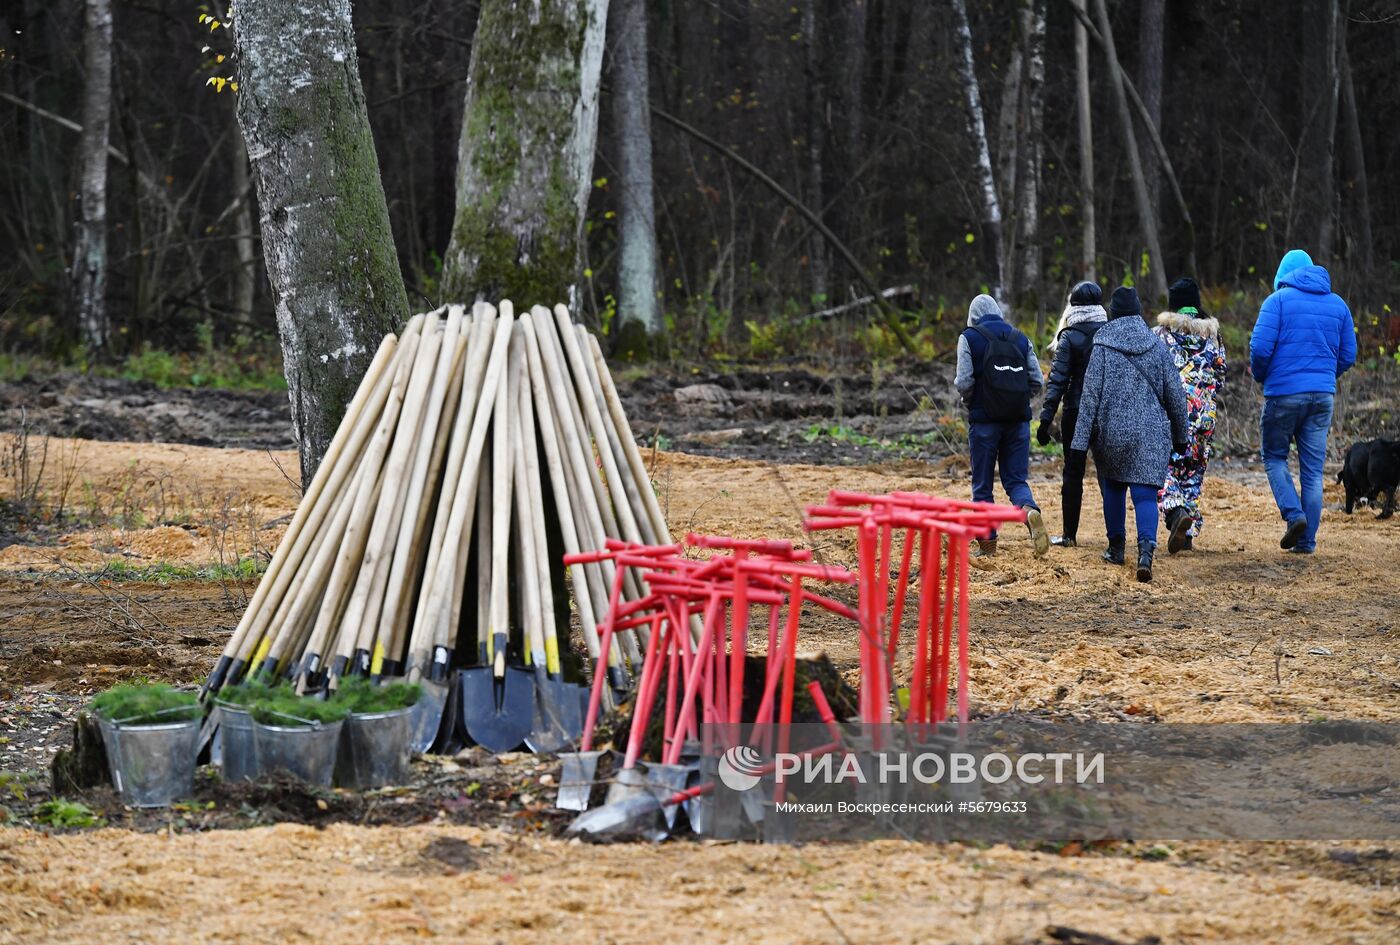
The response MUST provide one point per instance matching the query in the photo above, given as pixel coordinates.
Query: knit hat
(1124, 302)
(1293, 259)
(982, 307)
(1184, 296)
(1086, 293)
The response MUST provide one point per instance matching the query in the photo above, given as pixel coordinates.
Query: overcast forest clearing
(453, 456)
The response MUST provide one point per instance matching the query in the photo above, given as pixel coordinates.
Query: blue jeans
(1004, 445)
(1302, 419)
(1115, 509)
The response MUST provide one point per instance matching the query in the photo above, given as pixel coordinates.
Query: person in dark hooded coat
(1132, 415)
(1074, 342)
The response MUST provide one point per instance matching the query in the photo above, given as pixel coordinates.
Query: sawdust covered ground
(353, 885)
(1236, 631)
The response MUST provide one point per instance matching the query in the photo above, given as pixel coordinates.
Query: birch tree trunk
(1028, 198)
(637, 269)
(977, 131)
(89, 273)
(1146, 217)
(1151, 27)
(525, 158)
(1089, 250)
(327, 244)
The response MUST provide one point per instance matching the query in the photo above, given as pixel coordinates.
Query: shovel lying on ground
(644, 813)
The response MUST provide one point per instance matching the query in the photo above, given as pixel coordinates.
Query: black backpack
(1003, 385)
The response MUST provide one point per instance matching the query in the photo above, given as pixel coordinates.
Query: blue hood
(1293, 259)
(1312, 279)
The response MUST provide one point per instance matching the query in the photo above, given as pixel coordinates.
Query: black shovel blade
(498, 713)
(558, 718)
(428, 714)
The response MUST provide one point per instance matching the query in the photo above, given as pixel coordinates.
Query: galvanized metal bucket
(235, 749)
(374, 749)
(152, 764)
(307, 752)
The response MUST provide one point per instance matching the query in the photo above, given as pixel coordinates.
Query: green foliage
(359, 695)
(66, 814)
(1052, 448)
(242, 693)
(12, 784)
(283, 707)
(164, 573)
(947, 429)
(236, 369)
(145, 703)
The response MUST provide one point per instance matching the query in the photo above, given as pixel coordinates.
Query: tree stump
(85, 764)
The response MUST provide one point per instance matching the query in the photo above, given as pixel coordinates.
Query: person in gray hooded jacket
(1132, 414)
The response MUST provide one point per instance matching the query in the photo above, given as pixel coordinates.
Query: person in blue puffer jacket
(1302, 342)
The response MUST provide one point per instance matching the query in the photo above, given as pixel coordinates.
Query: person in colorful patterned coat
(1193, 338)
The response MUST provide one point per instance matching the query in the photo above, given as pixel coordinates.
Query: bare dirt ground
(1236, 631)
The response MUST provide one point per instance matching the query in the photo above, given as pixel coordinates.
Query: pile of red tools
(942, 531)
(695, 620)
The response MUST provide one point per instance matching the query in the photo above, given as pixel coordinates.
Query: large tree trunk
(637, 275)
(1151, 27)
(1316, 193)
(1146, 217)
(977, 131)
(1028, 188)
(89, 274)
(529, 128)
(1089, 248)
(327, 243)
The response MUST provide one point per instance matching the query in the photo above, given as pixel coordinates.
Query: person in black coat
(1074, 341)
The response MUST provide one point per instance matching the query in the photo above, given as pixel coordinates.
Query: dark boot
(1071, 499)
(986, 548)
(1146, 547)
(1178, 530)
(1113, 554)
(1190, 544)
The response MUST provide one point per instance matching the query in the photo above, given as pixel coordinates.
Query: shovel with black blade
(498, 702)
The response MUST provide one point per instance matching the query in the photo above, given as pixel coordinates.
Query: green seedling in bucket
(281, 706)
(359, 696)
(150, 731)
(141, 703)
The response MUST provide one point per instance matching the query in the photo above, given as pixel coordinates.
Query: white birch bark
(637, 269)
(525, 160)
(327, 244)
(89, 272)
(977, 130)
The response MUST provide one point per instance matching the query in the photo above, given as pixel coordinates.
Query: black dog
(1368, 469)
